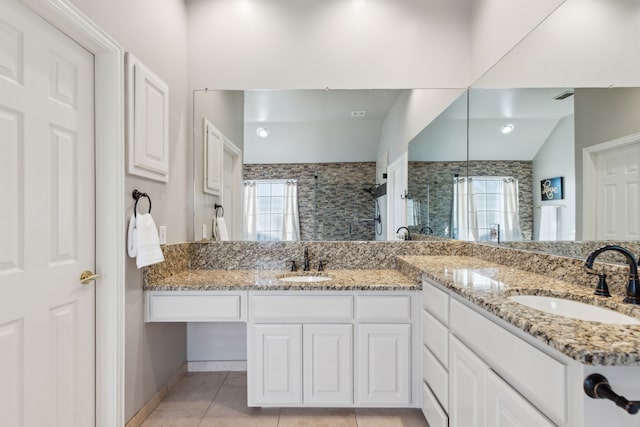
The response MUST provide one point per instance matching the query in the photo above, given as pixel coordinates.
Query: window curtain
(464, 212)
(510, 228)
(249, 211)
(291, 229)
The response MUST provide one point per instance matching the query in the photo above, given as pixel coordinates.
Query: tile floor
(219, 399)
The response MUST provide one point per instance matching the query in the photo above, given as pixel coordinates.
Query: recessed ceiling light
(358, 113)
(508, 128)
(262, 132)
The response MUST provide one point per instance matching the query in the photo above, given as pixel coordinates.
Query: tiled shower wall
(331, 200)
(432, 183)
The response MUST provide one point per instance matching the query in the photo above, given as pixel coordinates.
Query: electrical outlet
(162, 234)
(205, 235)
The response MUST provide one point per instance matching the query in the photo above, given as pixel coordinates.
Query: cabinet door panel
(507, 408)
(327, 364)
(467, 382)
(384, 361)
(278, 365)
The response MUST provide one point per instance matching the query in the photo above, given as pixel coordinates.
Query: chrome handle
(87, 277)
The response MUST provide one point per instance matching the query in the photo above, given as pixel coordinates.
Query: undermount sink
(305, 279)
(574, 309)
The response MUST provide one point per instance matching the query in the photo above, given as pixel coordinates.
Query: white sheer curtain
(249, 211)
(291, 229)
(510, 228)
(464, 212)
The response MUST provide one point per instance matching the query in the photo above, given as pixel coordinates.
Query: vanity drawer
(434, 374)
(301, 308)
(432, 411)
(436, 337)
(537, 376)
(187, 306)
(387, 308)
(435, 302)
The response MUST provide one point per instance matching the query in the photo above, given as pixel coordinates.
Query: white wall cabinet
(213, 155)
(384, 361)
(147, 122)
(278, 371)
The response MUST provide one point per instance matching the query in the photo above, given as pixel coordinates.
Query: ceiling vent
(358, 113)
(563, 95)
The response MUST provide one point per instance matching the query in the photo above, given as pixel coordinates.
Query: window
(486, 208)
(270, 209)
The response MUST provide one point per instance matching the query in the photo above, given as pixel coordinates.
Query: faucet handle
(321, 264)
(294, 266)
(601, 288)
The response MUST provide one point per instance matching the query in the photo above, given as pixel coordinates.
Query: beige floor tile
(174, 418)
(379, 417)
(317, 417)
(223, 415)
(195, 391)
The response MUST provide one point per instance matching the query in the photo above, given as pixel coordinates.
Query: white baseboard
(217, 365)
(147, 409)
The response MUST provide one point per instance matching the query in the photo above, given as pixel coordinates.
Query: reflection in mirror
(437, 155)
(320, 146)
(518, 139)
(564, 144)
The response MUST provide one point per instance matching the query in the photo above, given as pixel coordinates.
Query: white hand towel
(548, 223)
(148, 243)
(222, 234)
(132, 244)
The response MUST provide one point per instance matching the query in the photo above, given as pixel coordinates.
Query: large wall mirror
(564, 104)
(319, 146)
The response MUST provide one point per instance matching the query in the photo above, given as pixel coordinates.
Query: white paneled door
(47, 224)
(618, 193)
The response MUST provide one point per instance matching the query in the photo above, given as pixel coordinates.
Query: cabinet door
(507, 408)
(327, 364)
(278, 365)
(213, 154)
(467, 383)
(384, 364)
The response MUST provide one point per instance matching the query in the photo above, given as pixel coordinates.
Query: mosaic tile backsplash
(331, 200)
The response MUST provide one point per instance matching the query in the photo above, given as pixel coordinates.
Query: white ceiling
(315, 126)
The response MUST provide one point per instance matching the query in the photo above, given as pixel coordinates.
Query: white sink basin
(574, 309)
(305, 279)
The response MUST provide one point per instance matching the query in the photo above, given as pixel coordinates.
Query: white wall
(411, 113)
(293, 44)
(156, 33)
(556, 158)
(584, 43)
(498, 25)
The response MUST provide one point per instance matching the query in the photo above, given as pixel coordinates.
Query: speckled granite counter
(218, 280)
(488, 285)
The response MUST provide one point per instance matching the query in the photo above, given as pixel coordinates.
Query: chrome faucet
(407, 235)
(306, 260)
(633, 287)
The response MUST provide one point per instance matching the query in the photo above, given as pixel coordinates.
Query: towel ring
(137, 195)
(219, 210)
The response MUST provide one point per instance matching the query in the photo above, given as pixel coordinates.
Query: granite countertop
(221, 280)
(488, 285)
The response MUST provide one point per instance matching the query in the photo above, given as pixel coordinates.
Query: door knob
(87, 277)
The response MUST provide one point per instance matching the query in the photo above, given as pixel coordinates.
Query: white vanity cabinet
(462, 356)
(331, 348)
